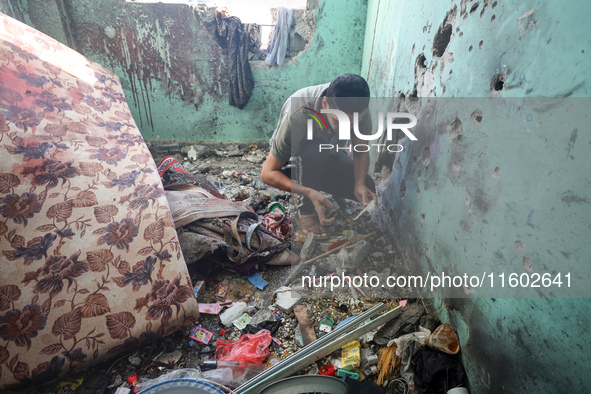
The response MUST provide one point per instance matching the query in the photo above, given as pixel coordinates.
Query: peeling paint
(520, 247)
(526, 21)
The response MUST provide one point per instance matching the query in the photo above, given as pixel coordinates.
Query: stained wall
(175, 73)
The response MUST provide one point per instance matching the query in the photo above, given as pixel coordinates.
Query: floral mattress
(91, 263)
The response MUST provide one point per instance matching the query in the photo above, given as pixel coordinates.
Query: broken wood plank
(306, 326)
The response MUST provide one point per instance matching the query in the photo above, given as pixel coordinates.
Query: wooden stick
(306, 327)
(300, 267)
(360, 238)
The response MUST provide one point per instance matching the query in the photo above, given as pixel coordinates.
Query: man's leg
(330, 173)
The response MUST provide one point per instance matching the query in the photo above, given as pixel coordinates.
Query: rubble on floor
(273, 308)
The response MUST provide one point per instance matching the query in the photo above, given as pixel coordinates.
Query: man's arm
(271, 174)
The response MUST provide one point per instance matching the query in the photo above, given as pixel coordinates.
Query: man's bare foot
(310, 223)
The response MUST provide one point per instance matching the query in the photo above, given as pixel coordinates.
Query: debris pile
(258, 328)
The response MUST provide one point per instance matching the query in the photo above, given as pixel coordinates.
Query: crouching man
(307, 157)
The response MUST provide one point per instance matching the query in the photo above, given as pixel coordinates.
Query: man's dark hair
(345, 86)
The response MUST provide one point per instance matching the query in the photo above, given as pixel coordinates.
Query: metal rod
(285, 368)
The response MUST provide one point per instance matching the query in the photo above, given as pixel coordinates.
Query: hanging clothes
(241, 79)
(253, 31)
(278, 46)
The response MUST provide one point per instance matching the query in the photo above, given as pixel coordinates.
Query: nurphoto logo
(393, 122)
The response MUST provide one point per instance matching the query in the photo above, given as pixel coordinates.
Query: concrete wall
(175, 74)
(502, 193)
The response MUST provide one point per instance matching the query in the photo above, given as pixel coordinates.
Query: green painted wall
(175, 74)
(482, 188)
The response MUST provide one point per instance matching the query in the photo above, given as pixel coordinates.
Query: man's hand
(364, 195)
(271, 174)
(321, 203)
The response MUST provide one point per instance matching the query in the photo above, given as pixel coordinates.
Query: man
(329, 170)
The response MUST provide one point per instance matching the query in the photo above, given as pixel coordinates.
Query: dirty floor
(235, 171)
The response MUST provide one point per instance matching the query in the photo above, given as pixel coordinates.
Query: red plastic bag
(250, 348)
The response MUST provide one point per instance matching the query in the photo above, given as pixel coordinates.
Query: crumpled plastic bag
(420, 336)
(250, 348)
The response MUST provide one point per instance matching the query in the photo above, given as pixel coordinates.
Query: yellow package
(350, 356)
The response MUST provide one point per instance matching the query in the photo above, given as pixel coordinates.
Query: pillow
(91, 263)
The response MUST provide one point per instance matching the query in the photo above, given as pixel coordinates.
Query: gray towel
(278, 45)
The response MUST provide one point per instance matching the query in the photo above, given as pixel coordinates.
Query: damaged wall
(472, 192)
(174, 73)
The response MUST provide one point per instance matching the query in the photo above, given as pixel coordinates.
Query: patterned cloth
(278, 223)
(173, 175)
(91, 263)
